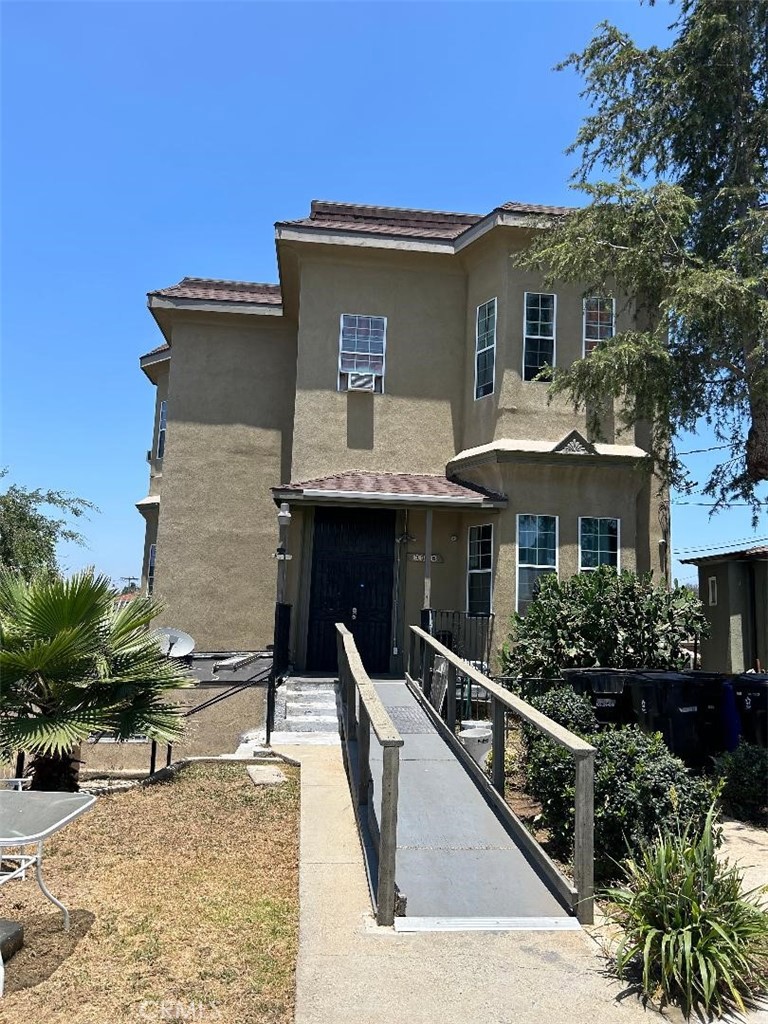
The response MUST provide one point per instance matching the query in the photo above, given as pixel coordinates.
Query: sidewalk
(352, 972)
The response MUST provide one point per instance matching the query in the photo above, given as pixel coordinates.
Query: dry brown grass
(183, 895)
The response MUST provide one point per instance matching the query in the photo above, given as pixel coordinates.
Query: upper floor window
(362, 350)
(536, 554)
(712, 591)
(539, 340)
(598, 543)
(599, 321)
(479, 570)
(151, 568)
(161, 423)
(485, 348)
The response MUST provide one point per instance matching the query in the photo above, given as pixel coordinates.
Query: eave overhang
(318, 496)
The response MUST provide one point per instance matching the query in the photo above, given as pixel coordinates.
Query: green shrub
(688, 929)
(745, 790)
(616, 620)
(563, 705)
(640, 788)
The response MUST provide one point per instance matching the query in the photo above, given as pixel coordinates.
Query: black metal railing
(468, 636)
(217, 698)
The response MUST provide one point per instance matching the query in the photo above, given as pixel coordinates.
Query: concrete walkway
(351, 972)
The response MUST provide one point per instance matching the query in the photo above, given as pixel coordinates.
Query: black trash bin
(719, 726)
(608, 690)
(751, 692)
(668, 702)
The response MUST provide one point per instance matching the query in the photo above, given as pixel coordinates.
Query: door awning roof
(395, 489)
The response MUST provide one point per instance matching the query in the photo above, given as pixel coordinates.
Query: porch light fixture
(284, 515)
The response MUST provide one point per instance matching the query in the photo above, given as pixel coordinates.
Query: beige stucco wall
(230, 416)
(415, 425)
(253, 402)
(518, 408)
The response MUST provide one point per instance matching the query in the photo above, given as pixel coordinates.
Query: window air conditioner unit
(361, 382)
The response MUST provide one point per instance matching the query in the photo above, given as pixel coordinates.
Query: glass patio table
(28, 819)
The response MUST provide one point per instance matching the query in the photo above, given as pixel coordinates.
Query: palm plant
(71, 666)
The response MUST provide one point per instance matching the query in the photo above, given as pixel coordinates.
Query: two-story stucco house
(385, 391)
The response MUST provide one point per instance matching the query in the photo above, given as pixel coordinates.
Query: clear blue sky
(145, 141)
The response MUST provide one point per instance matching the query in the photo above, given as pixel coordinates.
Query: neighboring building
(733, 587)
(384, 390)
(121, 600)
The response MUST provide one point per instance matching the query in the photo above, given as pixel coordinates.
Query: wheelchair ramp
(457, 864)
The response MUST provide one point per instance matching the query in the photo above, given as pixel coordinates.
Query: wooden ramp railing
(422, 651)
(363, 713)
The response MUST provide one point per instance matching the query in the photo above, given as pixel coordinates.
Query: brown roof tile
(411, 484)
(211, 290)
(557, 211)
(156, 351)
(407, 223)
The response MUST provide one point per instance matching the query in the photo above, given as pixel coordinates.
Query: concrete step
(314, 739)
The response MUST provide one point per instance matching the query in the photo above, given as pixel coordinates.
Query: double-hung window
(151, 568)
(362, 350)
(161, 423)
(479, 570)
(485, 348)
(539, 333)
(598, 543)
(536, 554)
(599, 321)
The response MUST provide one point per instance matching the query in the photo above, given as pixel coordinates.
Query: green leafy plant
(602, 618)
(510, 762)
(640, 787)
(689, 931)
(744, 772)
(71, 665)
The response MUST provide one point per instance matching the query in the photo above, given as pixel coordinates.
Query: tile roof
(410, 484)
(156, 351)
(207, 289)
(536, 208)
(388, 220)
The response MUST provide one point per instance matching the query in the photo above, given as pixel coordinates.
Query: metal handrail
(419, 669)
(361, 717)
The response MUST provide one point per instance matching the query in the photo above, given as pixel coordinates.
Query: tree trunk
(757, 441)
(55, 772)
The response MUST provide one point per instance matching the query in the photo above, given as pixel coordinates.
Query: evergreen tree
(681, 226)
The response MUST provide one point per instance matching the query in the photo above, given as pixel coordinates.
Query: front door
(352, 575)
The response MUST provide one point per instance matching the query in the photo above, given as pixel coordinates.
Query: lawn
(184, 900)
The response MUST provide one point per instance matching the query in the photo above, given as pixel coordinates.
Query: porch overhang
(393, 490)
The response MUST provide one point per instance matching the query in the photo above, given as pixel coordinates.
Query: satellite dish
(174, 642)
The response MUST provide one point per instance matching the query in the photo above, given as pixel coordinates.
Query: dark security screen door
(352, 575)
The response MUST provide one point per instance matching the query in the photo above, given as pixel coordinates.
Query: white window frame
(479, 615)
(536, 337)
(591, 568)
(492, 346)
(712, 591)
(162, 428)
(379, 376)
(585, 300)
(527, 565)
(151, 559)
